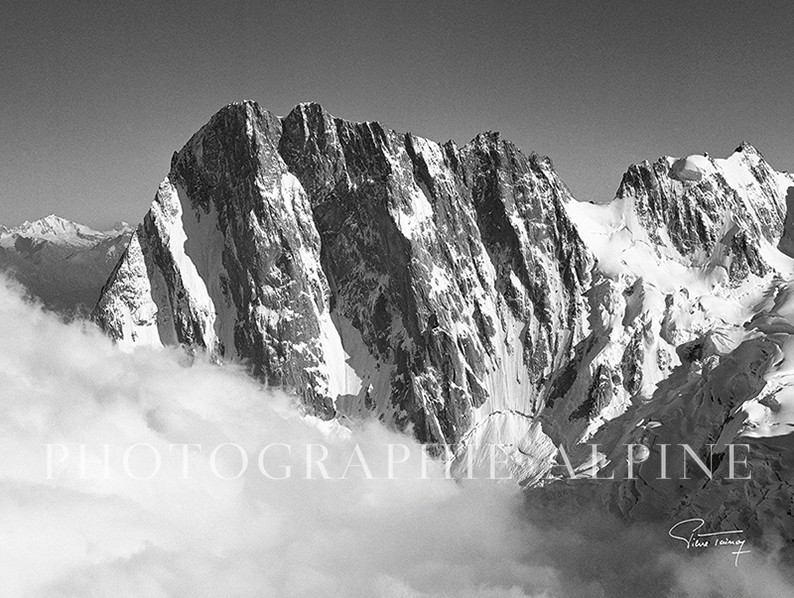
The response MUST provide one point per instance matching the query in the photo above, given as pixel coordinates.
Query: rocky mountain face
(376, 273)
(462, 293)
(62, 263)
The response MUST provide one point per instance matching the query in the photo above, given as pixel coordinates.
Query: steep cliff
(373, 272)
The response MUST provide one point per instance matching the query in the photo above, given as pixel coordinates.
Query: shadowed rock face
(371, 271)
(786, 244)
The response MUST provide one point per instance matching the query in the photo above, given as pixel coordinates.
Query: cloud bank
(76, 533)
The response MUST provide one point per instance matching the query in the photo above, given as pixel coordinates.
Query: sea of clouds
(84, 534)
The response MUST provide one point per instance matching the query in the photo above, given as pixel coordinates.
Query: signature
(688, 530)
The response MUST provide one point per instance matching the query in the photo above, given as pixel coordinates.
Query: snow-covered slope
(690, 344)
(687, 248)
(62, 263)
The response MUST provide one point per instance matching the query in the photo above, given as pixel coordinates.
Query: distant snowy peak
(55, 230)
(62, 263)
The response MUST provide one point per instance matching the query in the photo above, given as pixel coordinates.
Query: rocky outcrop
(702, 404)
(786, 244)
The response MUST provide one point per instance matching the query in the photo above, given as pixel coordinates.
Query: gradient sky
(96, 96)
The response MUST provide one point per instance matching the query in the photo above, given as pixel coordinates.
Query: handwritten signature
(689, 530)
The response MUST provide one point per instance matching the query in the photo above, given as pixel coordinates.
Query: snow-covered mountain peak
(61, 262)
(53, 229)
(712, 214)
(51, 223)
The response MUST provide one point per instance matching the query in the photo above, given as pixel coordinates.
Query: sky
(95, 97)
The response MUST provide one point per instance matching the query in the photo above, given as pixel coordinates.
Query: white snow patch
(204, 247)
(168, 212)
(691, 169)
(131, 306)
(342, 378)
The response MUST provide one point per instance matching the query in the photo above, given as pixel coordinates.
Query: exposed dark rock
(437, 265)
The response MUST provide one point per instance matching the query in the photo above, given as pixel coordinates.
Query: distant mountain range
(62, 263)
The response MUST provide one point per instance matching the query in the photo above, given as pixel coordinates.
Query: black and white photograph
(368, 299)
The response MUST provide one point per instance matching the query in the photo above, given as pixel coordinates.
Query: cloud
(167, 536)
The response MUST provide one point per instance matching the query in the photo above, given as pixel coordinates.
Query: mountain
(692, 344)
(686, 248)
(62, 263)
(371, 271)
(462, 293)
